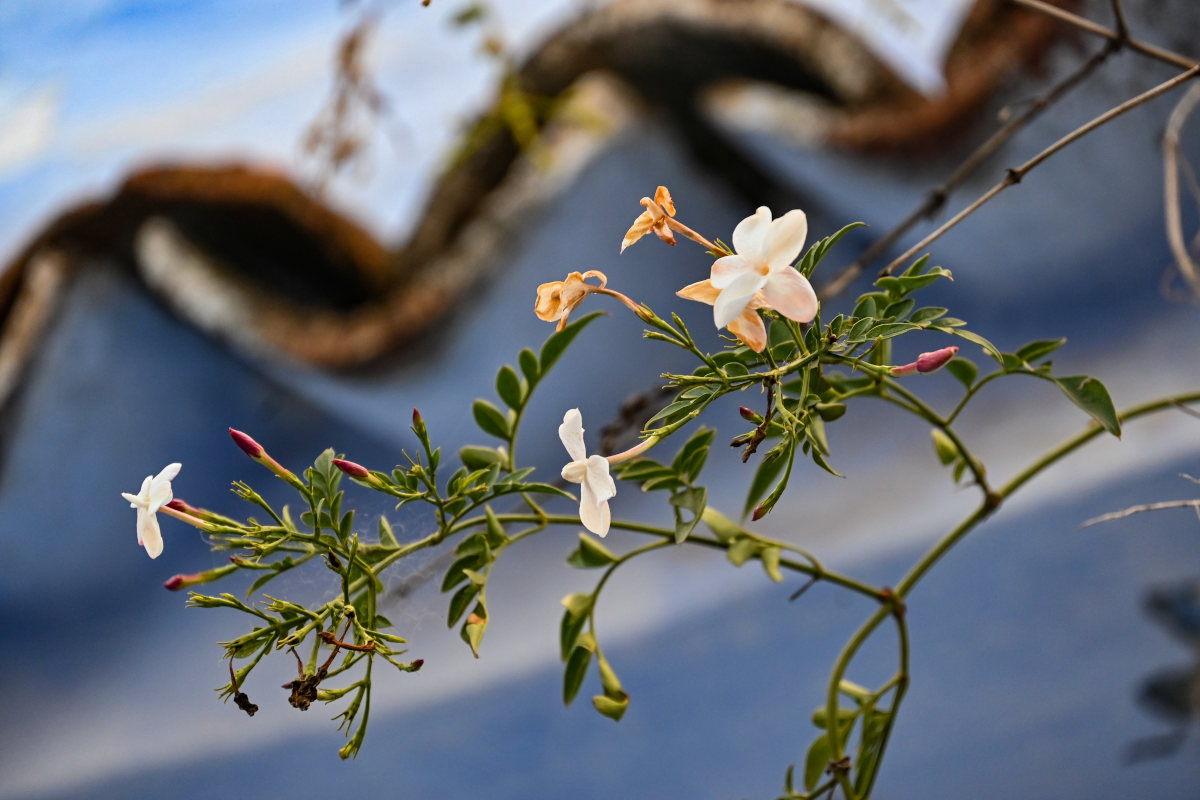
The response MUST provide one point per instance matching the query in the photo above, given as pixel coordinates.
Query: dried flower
(654, 218)
(557, 299)
(155, 493)
(764, 251)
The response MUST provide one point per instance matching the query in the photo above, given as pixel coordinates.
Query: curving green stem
(921, 568)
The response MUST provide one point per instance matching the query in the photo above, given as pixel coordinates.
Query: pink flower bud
(928, 362)
(246, 444)
(420, 662)
(749, 414)
(417, 420)
(759, 513)
(353, 470)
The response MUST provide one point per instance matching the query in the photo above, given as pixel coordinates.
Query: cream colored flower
(155, 493)
(746, 326)
(764, 250)
(596, 485)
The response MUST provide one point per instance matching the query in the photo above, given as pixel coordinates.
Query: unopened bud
(759, 513)
(177, 582)
(255, 450)
(416, 665)
(749, 414)
(418, 423)
(928, 362)
(246, 444)
(180, 505)
(356, 471)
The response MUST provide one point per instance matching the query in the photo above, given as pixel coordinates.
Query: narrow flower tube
(177, 582)
(253, 449)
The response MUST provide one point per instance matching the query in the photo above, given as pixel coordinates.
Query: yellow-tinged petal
(641, 226)
(747, 326)
(663, 197)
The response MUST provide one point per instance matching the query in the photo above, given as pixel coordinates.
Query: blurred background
(302, 219)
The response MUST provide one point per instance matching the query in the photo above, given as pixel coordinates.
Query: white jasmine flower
(591, 473)
(155, 493)
(764, 251)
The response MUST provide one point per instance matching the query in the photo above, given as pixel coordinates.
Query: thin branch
(1015, 174)
(1183, 259)
(1145, 48)
(1122, 29)
(1128, 512)
(936, 198)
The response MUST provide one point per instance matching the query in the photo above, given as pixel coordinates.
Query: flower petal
(641, 226)
(726, 269)
(790, 293)
(575, 472)
(750, 233)
(599, 479)
(160, 487)
(593, 513)
(748, 326)
(149, 535)
(734, 298)
(785, 239)
(571, 435)
(700, 291)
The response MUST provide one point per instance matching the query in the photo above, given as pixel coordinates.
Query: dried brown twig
(1127, 512)
(1183, 259)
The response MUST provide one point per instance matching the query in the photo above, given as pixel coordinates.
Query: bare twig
(1121, 29)
(1144, 48)
(1015, 174)
(1127, 512)
(936, 197)
(1183, 259)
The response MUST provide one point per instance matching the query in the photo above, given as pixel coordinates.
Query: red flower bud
(748, 414)
(353, 470)
(420, 662)
(246, 444)
(759, 513)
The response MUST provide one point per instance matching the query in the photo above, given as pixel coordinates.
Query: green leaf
(558, 342)
(509, 388)
(987, 346)
(928, 314)
(819, 248)
(770, 562)
(574, 672)
(830, 411)
(722, 526)
(459, 603)
(820, 753)
(1034, 351)
(768, 470)
(888, 330)
(845, 717)
(386, 537)
(612, 707)
(590, 553)
(858, 331)
(573, 620)
(608, 678)
(964, 369)
(943, 445)
(742, 550)
(691, 457)
(870, 749)
(476, 457)
(490, 419)
(473, 629)
(528, 361)
(693, 500)
(1090, 395)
